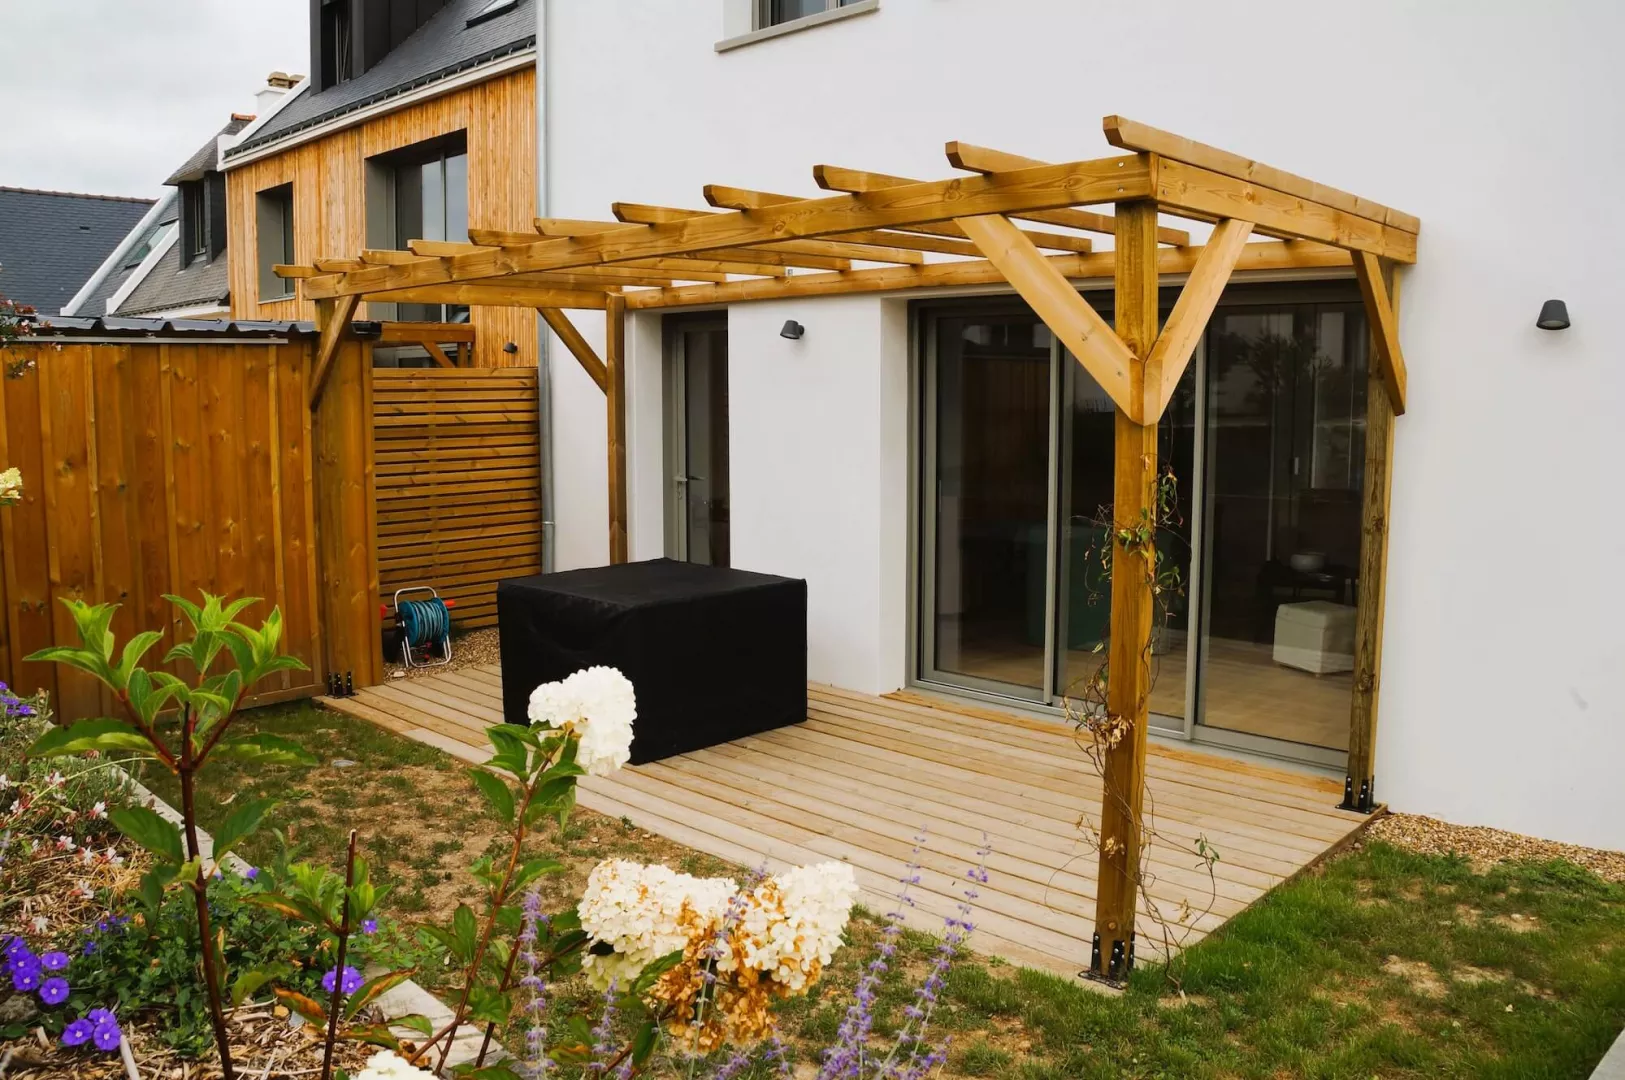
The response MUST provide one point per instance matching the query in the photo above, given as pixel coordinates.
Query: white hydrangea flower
(598, 706)
(638, 909)
(388, 1065)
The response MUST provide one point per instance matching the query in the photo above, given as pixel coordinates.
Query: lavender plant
(239, 657)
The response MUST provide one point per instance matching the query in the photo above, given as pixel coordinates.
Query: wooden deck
(864, 775)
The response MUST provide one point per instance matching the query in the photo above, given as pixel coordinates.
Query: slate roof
(441, 47)
(168, 285)
(52, 241)
(205, 159)
(96, 303)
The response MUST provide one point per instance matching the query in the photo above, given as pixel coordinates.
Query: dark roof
(96, 302)
(109, 326)
(205, 160)
(441, 47)
(52, 241)
(169, 285)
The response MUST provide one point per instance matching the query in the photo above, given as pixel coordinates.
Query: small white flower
(388, 1065)
(41, 924)
(99, 810)
(16, 805)
(83, 889)
(65, 843)
(5, 782)
(85, 855)
(56, 778)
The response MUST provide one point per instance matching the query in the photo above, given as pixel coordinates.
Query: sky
(114, 95)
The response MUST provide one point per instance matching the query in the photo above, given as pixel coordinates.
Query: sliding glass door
(1261, 451)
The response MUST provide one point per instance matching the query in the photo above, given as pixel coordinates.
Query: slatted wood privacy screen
(458, 477)
(151, 469)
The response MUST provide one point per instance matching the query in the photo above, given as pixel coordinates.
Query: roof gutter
(544, 356)
(427, 92)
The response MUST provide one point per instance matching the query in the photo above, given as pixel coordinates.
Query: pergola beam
(1132, 135)
(1068, 315)
(332, 319)
(1047, 188)
(844, 248)
(859, 181)
(561, 325)
(1187, 322)
(615, 403)
(492, 293)
(1099, 266)
(1384, 328)
(945, 237)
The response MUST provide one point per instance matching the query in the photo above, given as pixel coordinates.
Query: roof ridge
(77, 195)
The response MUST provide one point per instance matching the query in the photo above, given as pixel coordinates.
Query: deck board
(865, 775)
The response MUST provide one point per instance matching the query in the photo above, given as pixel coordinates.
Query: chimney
(277, 84)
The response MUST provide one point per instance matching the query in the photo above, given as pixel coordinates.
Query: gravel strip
(470, 650)
(1484, 847)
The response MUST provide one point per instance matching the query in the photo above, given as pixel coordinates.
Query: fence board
(458, 484)
(150, 469)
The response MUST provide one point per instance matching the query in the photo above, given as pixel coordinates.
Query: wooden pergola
(1012, 221)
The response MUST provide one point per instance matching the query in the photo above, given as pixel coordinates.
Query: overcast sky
(111, 96)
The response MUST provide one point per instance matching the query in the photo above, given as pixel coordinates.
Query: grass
(1382, 963)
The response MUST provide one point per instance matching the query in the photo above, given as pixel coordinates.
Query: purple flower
(78, 1033)
(101, 1016)
(107, 1035)
(24, 979)
(90, 947)
(251, 873)
(348, 985)
(54, 991)
(15, 946)
(369, 926)
(54, 961)
(23, 961)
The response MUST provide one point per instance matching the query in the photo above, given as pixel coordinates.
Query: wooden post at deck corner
(615, 400)
(1128, 685)
(1359, 786)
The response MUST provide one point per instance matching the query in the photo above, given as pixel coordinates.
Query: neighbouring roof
(207, 159)
(111, 326)
(169, 285)
(96, 302)
(52, 241)
(441, 47)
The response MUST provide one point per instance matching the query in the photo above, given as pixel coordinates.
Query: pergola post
(615, 398)
(1128, 683)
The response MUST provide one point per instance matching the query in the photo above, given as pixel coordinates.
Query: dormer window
(194, 222)
(337, 43)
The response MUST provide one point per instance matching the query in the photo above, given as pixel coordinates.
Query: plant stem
(200, 897)
(497, 898)
(338, 979)
(507, 977)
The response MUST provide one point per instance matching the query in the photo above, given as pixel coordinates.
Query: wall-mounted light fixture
(792, 330)
(366, 329)
(1554, 315)
(510, 348)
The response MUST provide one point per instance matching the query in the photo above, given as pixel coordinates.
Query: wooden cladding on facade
(457, 472)
(328, 175)
(151, 469)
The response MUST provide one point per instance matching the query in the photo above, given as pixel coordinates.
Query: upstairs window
(274, 218)
(778, 12)
(335, 43)
(203, 218)
(420, 193)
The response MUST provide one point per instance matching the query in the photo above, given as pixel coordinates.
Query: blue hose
(424, 621)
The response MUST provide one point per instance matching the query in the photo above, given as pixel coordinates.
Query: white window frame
(743, 20)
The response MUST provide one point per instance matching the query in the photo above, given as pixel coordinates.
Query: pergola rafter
(755, 245)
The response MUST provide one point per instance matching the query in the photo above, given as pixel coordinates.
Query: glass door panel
(988, 538)
(1083, 606)
(697, 451)
(1284, 457)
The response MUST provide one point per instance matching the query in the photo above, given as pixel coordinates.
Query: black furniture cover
(713, 654)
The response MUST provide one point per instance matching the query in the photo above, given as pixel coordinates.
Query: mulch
(470, 650)
(1484, 847)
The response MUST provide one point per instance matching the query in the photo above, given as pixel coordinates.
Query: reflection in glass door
(1264, 442)
(697, 444)
(1284, 464)
(988, 464)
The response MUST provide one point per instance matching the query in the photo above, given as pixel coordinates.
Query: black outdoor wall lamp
(792, 330)
(1554, 315)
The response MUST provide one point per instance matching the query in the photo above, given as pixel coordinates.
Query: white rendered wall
(1501, 124)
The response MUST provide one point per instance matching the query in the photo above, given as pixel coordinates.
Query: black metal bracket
(1365, 802)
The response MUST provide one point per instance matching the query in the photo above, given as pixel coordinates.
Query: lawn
(1383, 962)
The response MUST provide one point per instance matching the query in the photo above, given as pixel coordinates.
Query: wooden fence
(153, 468)
(458, 484)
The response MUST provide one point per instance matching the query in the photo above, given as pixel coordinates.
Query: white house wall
(1502, 125)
